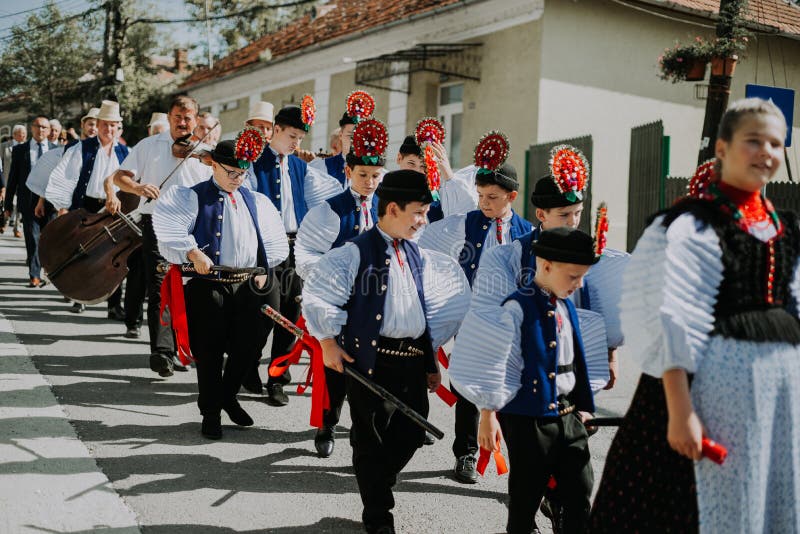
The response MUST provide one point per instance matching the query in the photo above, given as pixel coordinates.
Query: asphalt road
(131, 457)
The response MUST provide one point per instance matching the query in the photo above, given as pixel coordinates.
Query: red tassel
(172, 298)
(499, 460)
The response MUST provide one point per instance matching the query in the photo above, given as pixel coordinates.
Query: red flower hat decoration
(432, 171)
(570, 170)
(249, 146)
(360, 105)
(601, 229)
(491, 152)
(429, 130)
(308, 111)
(370, 140)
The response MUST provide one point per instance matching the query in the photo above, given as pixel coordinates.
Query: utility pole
(208, 38)
(113, 41)
(719, 83)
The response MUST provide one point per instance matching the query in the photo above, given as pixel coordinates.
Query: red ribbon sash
(172, 298)
(499, 460)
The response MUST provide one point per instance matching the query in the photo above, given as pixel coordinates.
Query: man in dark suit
(23, 157)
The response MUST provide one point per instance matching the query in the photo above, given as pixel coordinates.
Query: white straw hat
(158, 118)
(109, 111)
(91, 114)
(261, 111)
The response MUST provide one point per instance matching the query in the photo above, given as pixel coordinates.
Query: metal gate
(649, 166)
(538, 157)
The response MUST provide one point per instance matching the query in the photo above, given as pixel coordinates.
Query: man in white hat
(158, 123)
(262, 118)
(142, 174)
(78, 179)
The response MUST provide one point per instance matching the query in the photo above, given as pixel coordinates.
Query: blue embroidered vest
(538, 396)
(344, 205)
(268, 176)
(207, 230)
(359, 336)
(335, 167)
(475, 228)
(89, 148)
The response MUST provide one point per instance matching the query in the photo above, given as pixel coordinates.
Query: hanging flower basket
(696, 71)
(723, 66)
(685, 62)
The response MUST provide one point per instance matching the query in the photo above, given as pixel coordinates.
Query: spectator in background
(55, 132)
(207, 124)
(19, 134)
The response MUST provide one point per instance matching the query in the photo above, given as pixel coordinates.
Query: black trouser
(287, 291)
(538, 448)
(384, 440)
(337, 390)
(466, 429)
(135, 290)
(94, 205)
(223, 318)
(161, 338)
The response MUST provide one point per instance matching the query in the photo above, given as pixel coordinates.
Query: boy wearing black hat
(537, 381)
(381, 304)
(218, 222)
(294, 188)
(332, 224)
(466, 237)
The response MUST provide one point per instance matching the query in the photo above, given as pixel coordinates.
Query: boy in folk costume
(465, 238)
(332, 224)
(294, 188)
(536, 380)
(218, 222)
(360, 106)
(406, 302)
(424, 152)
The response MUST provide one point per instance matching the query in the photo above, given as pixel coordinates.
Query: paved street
(92, 441)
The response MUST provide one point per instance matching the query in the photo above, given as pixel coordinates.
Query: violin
(189, 146)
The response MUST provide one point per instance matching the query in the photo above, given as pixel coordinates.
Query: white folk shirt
(64, 177)
(151, 161)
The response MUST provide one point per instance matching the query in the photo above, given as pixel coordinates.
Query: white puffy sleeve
(40, 173)
(273, 234)
(174, 216)
(64, 177)
(604, 284)
(486, 363)
(319, 186)
(497, 274)
(447, 295)
(458, 196)
(316, 235)
(327, 289)
(670, 290)
(446, 236)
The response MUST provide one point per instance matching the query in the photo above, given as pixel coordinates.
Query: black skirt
(646, 486)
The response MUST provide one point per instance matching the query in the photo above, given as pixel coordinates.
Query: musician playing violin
(218, 222)
(142, 174)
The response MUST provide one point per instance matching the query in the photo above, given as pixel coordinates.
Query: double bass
(86, 254)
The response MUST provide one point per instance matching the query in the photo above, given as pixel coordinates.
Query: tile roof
(347, 17)
(781, 15)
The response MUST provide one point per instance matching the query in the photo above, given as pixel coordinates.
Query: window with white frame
(451, 112)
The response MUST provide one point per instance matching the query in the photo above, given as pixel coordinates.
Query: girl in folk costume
(360, 106)
(464, 237)
(711, 293)
(332, 224)
(218, 222)
(381, 304)
(424, 152)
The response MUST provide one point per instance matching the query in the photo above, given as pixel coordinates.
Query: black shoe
(429, 439)
(133, 332)
(385, 529)
(276, 396)
(116, 313)
(252, 382)
(465, 469)
(324, 441)
(177, 364)
(551, 509)
(78, 308)
(238, 415)
(211, 427)
(161, 364)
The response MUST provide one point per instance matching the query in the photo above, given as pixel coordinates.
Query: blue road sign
(783, 98)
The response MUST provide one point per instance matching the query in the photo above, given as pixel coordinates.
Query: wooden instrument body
(85, 255)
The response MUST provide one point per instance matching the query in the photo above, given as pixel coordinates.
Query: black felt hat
(547, 195)
(374, 161)
(404, 185)
(291, 116)
(410, 147)
(505, 177)
(347, 119)
(567, 245)
(225, 153)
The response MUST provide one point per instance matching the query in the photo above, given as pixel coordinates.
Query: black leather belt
(563, 369)
(405, 347)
